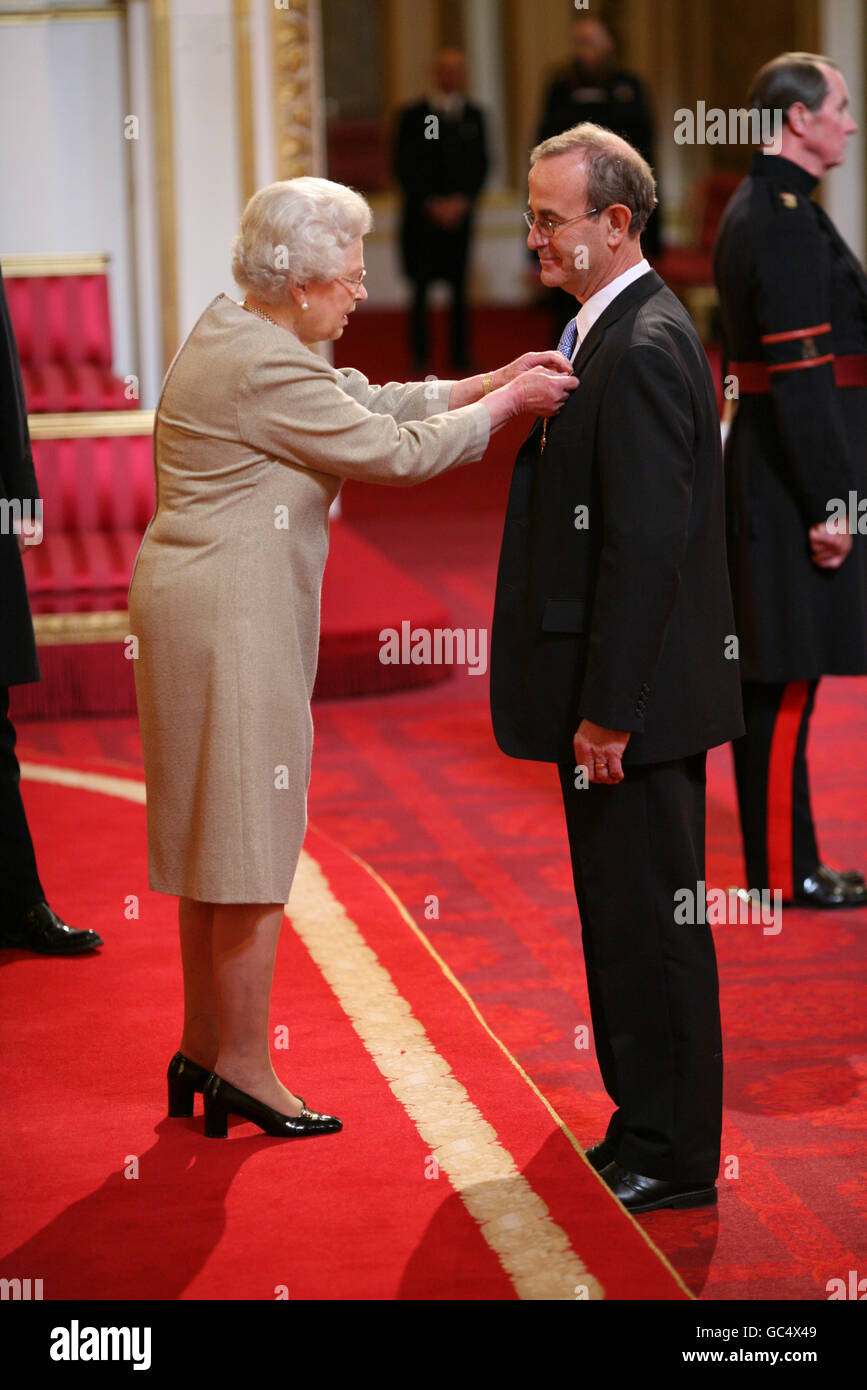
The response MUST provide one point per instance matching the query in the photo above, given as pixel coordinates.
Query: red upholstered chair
(96, 479)
(60, 313)
(691, 267)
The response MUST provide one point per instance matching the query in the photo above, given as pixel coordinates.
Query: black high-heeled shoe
(185, 1078)
(222, 1100)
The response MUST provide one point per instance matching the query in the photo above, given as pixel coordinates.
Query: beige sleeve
(296, 411)
(410, 400)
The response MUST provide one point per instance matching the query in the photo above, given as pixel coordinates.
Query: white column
(262, 63)
(843, 37)
(206, 157)
(146, 266)
(484, 50)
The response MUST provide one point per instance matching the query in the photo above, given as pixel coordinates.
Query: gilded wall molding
(295, 29)
(160, 16)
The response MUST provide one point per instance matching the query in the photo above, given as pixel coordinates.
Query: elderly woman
(254, 434)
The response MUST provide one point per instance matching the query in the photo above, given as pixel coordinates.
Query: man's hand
(552, 359)
(829, 547)
(600, 751)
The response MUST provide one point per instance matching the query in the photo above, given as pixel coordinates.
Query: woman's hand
(541, 391)
(552, 359)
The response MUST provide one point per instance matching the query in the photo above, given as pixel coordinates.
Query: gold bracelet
(486, 383)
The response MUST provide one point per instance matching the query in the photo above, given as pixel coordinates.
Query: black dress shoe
(40, 929)
(845, 875)
(824, 888)
(650, 1194)
(223, 1100)
(600, 1155)
(185, 1079)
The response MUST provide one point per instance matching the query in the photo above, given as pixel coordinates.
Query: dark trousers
(19, 880)
(653, 984)
(458, 323)
(773, 791)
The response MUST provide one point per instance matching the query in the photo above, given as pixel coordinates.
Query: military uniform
(793, 300)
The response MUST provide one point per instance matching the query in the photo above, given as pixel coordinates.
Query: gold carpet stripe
(123, 787)
(467, 997)
(533, 1250)
(514, 1220)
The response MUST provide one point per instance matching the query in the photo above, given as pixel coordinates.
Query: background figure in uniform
(26, 920)
(441, 162)
(594, 88)
(794, 313)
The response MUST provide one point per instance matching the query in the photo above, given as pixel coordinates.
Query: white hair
(296, 230)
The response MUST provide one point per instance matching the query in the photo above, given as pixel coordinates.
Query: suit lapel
(647, 284)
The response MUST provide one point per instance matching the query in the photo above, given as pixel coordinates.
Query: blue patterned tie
(566, 344)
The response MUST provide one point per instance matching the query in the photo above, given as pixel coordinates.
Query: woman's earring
(304, 304)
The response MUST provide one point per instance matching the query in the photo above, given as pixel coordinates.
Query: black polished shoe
(185, 1079)
(600, 1155)
(825, 888)
(40, 929)
(650, 1194)
(223, 1100)
(846, 875)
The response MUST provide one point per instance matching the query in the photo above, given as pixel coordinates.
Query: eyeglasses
(351, 283)
(548, 227)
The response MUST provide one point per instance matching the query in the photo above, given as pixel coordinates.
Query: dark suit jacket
(455, 162)
(18, 663)
(624, 620)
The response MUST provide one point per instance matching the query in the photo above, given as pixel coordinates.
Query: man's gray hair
(616, 172)
(788, 78)
(296, 230)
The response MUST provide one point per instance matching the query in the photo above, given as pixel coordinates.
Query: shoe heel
(216, 1118)
(181, 1093)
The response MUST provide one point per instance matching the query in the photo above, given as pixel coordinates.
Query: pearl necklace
(260, 313)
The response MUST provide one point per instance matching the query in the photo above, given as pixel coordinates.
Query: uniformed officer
(595, 88)
(26, 920)
(793, 300)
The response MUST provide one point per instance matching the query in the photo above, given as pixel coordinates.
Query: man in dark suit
(793, 300)
(26, 920)
(610, 657)
(441, 162)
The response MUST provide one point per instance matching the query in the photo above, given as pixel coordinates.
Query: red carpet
(472, 1187)
(415, 785)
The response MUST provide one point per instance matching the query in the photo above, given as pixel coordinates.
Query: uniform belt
(754, 378)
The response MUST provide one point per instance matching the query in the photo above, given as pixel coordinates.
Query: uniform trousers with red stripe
(773, 791)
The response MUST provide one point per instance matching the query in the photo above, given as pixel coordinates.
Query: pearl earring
(304, 304)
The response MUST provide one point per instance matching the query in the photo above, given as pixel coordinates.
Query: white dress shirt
(595, 306)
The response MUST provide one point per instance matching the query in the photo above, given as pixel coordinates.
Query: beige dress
(253, 436)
